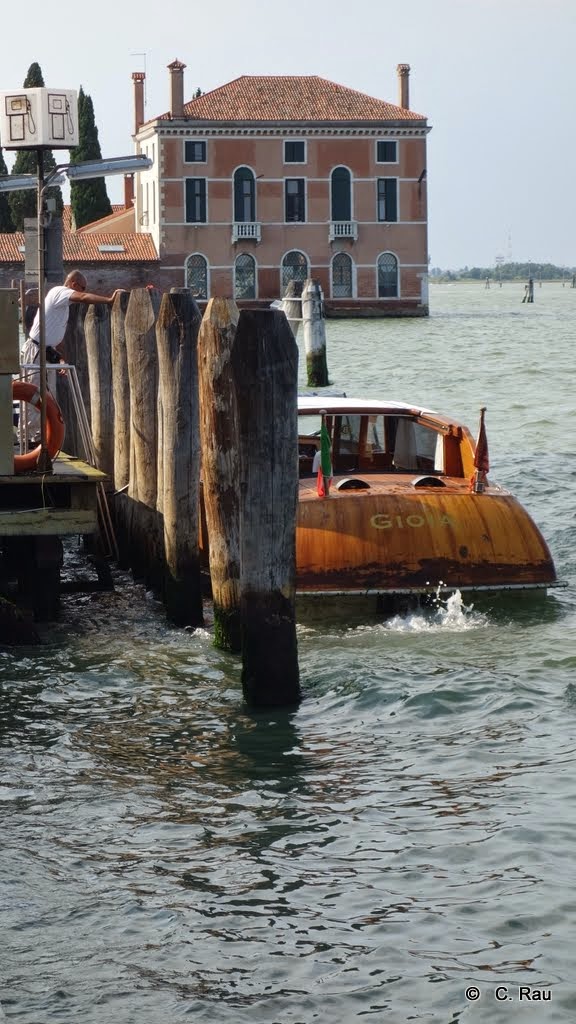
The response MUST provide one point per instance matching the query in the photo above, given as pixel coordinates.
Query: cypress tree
(23, 203)
(6, 223)
(89, 199)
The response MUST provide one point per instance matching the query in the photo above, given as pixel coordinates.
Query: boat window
(417, 446)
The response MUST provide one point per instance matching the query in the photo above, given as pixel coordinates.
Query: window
(197, 276)
(195, 200)
(294, 151)
(294, 205)
(245, 276)
(387, 276)
(244, 196)
(387, 199)
(294, 268)
(342, 276)
(195, 152)
(386, 152)
(341, 199)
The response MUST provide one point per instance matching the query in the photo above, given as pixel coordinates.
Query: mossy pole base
(264, 363)
(270, 674)
(316, 369)
(227, 629)
(314, 326)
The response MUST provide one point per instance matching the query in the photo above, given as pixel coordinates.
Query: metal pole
(44, 460)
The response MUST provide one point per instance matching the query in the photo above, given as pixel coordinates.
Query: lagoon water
(407, 834)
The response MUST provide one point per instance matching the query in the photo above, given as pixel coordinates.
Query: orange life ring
(22, 391)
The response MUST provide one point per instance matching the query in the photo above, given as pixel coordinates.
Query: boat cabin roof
(315, 404)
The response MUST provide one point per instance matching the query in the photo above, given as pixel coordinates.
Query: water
(407, 833)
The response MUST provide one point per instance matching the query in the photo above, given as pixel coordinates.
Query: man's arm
(88, 297)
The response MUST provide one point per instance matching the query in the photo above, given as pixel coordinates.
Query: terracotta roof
(107, 223)
(291, 98)
(67, 215)
(9, 251)
(85, 248)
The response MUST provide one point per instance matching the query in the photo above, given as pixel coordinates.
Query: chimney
(128, 191)
(138, 77)
(403, 86)
(176, 69)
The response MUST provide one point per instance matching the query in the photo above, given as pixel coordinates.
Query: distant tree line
(506, 272)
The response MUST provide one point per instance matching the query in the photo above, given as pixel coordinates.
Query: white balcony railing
(343, 229)
(242, 230)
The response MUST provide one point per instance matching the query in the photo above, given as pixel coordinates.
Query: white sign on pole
(39, 118)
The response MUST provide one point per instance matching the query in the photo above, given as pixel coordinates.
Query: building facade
(270, 179)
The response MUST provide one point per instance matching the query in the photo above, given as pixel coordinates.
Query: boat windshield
(376, 441)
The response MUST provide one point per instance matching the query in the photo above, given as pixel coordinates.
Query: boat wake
(445, 614)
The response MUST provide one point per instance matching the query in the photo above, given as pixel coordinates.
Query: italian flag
(324, 478)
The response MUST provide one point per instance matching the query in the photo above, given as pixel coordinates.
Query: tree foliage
(23, 203)
(89, 199)
(506, 272)
(6, 222)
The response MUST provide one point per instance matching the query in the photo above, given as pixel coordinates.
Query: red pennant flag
(481, 459)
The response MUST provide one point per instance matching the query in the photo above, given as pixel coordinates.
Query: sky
(496, 80)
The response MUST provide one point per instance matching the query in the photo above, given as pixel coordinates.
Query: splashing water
(446, 613)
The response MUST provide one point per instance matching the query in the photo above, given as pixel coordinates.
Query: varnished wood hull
(395, 538)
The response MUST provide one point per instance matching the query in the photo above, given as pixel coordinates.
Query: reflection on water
(168, 856)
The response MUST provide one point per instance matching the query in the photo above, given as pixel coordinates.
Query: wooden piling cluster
(195, 421)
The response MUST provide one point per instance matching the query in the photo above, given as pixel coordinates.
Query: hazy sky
(495, 78)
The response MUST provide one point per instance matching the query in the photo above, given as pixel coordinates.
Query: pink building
(270, 179)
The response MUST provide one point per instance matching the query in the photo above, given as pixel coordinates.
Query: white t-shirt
(57, 307)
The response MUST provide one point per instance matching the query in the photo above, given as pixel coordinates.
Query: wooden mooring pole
(99, 356)
(292, 305)
(179, 466)
(314, 326)
(264, 362)
(220, 467)
(146, 542)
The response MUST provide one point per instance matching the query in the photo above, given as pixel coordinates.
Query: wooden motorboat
(409, 506)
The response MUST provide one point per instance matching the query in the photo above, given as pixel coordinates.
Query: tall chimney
(138, 77)
(176, 69)
(128, 191)
(403, 86)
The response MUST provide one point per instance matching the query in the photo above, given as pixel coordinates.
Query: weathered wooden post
(314, 326)
(146, 543)
(179, 485)
(121, 397)
(264, 363)
(99, 358)
(292, 305)
(120, 392)
(75, 354)
(220, 467)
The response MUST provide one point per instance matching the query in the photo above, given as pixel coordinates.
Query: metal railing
(86, 439)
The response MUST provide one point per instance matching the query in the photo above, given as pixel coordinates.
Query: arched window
(294, 268)
(197, 276)
(341, 203)
(245, 276)
(244, 196)
(387, 276)
(342, 284)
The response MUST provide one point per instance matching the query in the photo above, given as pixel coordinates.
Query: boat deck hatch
(352, 483)
(428, 481)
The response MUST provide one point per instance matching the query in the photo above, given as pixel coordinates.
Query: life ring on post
(22, 391)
